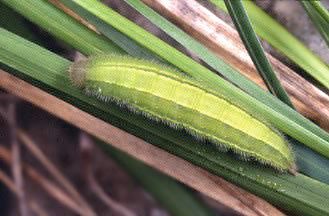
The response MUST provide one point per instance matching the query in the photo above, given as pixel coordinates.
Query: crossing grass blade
(255, 50)
(323, 12)
(320, 23)
(86, 40)
(282, 40)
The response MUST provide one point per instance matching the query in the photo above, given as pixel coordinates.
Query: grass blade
(320, 23)
(14, 22)
(297, 194)
(190, 43)
(276, 35)
(85, 40)
(121, 40)
(323, 12)
(255, 50)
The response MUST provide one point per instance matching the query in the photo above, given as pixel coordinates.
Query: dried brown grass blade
(50, 187)
(52, 169)
(5, 179)
(86, 148)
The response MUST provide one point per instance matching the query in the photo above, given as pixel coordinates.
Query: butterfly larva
(164, 94)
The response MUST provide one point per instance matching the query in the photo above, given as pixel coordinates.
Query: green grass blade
(203, 75)
(67, 29)
(14, 22)
(281, 39)
(191, 44)
(296, 194)
(46, 17)
(310, 163)
(121, 40)
(160, 186)
(323, 12)
(318, 21)
(255, 49)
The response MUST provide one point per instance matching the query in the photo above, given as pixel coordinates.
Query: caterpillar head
(77, 73)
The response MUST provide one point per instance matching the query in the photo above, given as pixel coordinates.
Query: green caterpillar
(164, 94)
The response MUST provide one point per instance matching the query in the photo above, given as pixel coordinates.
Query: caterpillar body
(165, 94)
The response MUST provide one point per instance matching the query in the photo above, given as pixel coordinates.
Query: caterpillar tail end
(77, 73)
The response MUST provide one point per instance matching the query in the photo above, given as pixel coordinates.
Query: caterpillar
(165, 94)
